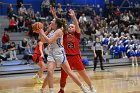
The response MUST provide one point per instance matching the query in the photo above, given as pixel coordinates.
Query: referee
(98, 53)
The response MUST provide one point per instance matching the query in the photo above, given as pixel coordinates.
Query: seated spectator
(32, 43)
(11, 50)
(59, 11)
(2, 55)
(11, 13)
(13, 24)
(132, 56)
(21, 24)
(22, 11)
(30, 12)
(82, 20)
(22, 45)
(28, 53)
(37, 16)
(9, 8)
(5, 40)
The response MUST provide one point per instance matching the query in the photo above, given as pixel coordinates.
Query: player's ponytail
(61, 23)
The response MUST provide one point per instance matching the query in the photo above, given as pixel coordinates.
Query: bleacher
(18, 66)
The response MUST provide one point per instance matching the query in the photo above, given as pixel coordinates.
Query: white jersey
(58, 43)
(56, 52)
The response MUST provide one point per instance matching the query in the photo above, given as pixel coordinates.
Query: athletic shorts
(75, 62)
(37, 58)
(57, 55)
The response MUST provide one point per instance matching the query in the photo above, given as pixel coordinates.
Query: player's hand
(42, 55)
(71, 13)
(41, 32)
(53, 10)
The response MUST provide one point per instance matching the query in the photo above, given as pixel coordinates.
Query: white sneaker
(35, 76)
(9, 59)
(85, 90)
(16, 58)
(133, 65)
(93, 91)
(137, 64)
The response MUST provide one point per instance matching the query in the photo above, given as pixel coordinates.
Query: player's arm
(52, 39)
(48, 30)
(53, 11)
(76, 23)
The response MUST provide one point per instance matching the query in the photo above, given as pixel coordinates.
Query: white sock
(51, 90)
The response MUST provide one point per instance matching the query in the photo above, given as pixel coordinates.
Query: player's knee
(43, 68)
(50, 72)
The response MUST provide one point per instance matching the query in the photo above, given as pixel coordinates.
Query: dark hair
(61, 23)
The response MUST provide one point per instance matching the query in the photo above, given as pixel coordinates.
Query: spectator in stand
(13, 25)
(37, 16)
(28, 53)
(21, 24)
(12, 51)
(117, 13)
(46, 7)
(59, 11)
(82, 19)
(32, 43)
(22, 45)
(22, 11)
(19, 4)
(5, 40)
(132, 56)
(97, 19)
(30, 12)
(11, 14)
(9, 8)
(126, 17)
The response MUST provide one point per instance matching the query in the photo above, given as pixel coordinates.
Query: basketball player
(56, 55)
(38, 59)
(71, 41)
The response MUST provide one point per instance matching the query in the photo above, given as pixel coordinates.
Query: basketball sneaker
(61, 91)
(137, 64)
(84, 89)
(92, 89)
(39, 81)
(132, 64)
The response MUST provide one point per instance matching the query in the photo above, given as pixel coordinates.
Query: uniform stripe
(63, 56)
(59, 42)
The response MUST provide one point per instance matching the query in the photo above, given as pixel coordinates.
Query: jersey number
(70, 45)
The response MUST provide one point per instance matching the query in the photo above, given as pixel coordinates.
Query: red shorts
(75, 62)
(37, 58)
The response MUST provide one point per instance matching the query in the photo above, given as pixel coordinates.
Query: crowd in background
(118, 30)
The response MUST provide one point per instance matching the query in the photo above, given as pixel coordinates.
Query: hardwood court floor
(124, 79)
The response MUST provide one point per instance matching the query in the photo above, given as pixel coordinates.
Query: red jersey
(71, 43)
(37, 51)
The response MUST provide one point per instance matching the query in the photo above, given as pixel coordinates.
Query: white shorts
(57, 55)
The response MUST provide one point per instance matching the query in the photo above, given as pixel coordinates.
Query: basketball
(37, 26)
